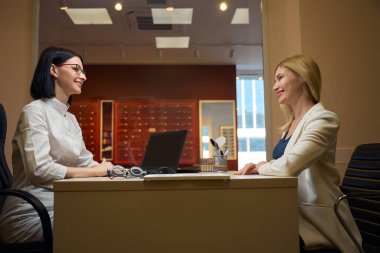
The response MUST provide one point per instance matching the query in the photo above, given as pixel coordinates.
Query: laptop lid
(163, 152)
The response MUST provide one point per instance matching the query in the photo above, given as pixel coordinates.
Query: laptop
(163, 152)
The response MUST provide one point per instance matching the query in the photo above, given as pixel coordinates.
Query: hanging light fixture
(84, 52)
(159, 53)
(232, 53)
(197, 54)
(122, 52)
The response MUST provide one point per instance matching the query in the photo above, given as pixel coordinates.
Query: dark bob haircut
(43, 82)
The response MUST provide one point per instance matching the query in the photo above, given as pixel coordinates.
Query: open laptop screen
(163, 150)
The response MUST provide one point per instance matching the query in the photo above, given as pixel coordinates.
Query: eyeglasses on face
(76, 67)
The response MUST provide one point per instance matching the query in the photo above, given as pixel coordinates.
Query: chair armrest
(354, 195)
(40, 209)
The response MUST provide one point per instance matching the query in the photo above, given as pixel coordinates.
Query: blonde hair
(307, 69)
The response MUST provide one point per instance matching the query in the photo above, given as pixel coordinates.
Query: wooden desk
(244, 214)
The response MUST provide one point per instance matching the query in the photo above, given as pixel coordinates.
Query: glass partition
(127, 65)
(217, 118)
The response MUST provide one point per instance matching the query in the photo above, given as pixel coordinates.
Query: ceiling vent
(146, 23)
(156, 2)
(142, 20)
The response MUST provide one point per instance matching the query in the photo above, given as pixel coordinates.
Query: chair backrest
(363, 177)
(5, 174)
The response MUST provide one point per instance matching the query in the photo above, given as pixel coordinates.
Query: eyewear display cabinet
(87, 113)
(118, 130)
(135, 120)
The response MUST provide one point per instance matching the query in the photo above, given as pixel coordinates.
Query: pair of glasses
(120, 171)
(76, 68)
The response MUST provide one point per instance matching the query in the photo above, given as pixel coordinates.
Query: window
(251, 120)
(205, 141)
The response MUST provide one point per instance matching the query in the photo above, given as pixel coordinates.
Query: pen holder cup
(220, 163)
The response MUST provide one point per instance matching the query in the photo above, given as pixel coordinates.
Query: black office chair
(361, 187)
(45, 246)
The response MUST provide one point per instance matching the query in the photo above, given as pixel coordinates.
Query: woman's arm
(99, 170)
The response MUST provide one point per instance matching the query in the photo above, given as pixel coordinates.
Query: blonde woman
(307, 150)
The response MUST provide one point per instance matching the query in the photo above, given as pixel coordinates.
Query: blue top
(279, 149)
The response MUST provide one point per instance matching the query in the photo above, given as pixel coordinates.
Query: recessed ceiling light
(223, 6)
(172, 42)
(63, 5)
(118, 6)
(180, 16)
(241, 16)
(91, 16)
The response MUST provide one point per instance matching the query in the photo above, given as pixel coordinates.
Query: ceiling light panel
(172, 42)
(241, 16)
(177, 16)
(90, 16)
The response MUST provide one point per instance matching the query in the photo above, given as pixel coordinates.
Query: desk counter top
(180, 181)
(220, 213)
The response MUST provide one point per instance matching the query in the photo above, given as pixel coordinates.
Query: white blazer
(310, 155)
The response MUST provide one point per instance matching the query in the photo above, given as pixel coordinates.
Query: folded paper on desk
(187, 176)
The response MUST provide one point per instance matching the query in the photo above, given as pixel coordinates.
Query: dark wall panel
(159, 82)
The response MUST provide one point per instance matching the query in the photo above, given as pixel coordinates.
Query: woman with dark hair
(47, 144)
(307, 151)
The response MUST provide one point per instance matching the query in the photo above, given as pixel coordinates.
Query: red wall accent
(159, 82)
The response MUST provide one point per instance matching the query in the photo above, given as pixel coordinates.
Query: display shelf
(135, 120)
(229, 133)
(87, 115)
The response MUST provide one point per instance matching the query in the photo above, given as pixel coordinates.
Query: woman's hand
(102, 168)
(249, 168)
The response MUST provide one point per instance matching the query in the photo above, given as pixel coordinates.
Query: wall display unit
(230, 134)
(87, 114)
(118, 130)
(136, 119)
(106, 130)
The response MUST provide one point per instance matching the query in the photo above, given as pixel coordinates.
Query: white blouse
(47, 140)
